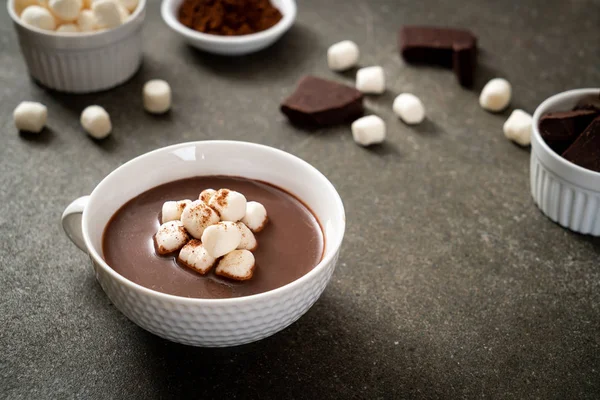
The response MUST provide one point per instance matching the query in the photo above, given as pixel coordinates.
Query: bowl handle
(71, 221)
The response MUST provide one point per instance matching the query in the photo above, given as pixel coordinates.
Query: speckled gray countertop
(451, 283)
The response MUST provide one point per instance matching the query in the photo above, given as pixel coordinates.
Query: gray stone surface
(451, 283)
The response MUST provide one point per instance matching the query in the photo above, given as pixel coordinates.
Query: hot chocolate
(290, 245)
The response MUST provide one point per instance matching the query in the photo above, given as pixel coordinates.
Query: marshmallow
(65, 10)
(172, 210)
(157, 96)
(107, 13)
(342, 55)
(368, 130)
(237, 265)
(197, 216)
(38, 17)
(30, 116)
(206, 195)
(193, 255)
(20, 5)
(170, 237)
(408, 107)
(123, 12)
(495, 95)
(130, 5)
(68, 28)
(86, 21)
(256, 216)
(248, 241)
(221, 238)
(370, 80)
(518, 127)
(96, 122)
(230, 204)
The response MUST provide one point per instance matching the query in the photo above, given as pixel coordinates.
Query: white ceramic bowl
(567, 193)
(230, 45)
(82, 62)
(209, 322)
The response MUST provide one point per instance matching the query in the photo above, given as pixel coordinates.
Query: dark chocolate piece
(560, 129)
(464, 64)
(585, 152)
(319, 102)
(450, 48)
(589, 102)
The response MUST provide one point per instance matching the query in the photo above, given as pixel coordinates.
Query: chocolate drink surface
(289, 247)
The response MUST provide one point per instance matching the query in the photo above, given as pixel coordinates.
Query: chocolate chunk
(585, 152)
(319, 102)
(464, 63)
(589, 102)
(560, 129)
(450, 48)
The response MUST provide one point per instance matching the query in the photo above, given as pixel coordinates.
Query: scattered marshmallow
(518, 127)
(221, 238)
(130, 5)
(65, 10)
(69, 28)
(86, 21)
(157, 96)
(408, 107)
(107, 13)
(368, 130)
(255, 217)
(370, 80)
(172, 210)
(30, 116)
(230, 205)
(193, 255)
(495, 95)
(248, 241)
(342, 55)
(238, 265)
(206, 195)
(197, 216)
(96, 121)
(170, 237)
(38, 17)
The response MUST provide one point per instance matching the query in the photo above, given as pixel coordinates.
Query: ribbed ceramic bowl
(209, 322)
(567, 193)
(230, 45)
(82, 62)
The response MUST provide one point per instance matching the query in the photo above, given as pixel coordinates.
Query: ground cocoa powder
(228, 17)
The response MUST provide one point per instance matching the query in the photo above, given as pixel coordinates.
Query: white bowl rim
(11, 11)
(542, 109)
(326, 260)
(283, 25)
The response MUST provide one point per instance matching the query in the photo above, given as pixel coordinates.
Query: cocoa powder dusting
(221, 197)
(228, 17)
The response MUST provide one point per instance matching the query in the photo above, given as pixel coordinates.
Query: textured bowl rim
(279, 28)
(326, 260)
(537, 137)
(16, 19)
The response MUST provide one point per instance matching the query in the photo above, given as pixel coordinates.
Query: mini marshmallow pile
(74, 16)
(218, 228)
(371, 129)
(31, 116)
